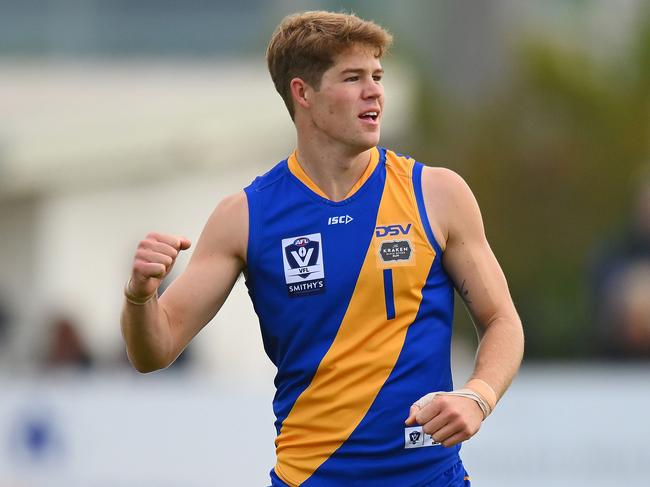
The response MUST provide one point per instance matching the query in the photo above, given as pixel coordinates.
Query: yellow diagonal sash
(367, 345)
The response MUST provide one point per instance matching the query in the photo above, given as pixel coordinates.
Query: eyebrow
(360, 70)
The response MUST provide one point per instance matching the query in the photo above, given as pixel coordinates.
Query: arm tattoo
(465, 293)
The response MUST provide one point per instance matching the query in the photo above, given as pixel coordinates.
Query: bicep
(193, 299)
(479, 279)
(468, 258)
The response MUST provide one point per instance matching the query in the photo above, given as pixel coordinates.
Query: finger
(444, 433)
(426, 399)
(418, 405)
(410, 421)
(436, 424)
(185, 243)
(152, 257)
(159, 247)
(147, 270)
(179, 243)
(454, 440)
(430, 411)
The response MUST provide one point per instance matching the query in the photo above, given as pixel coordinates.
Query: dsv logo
(392, 230)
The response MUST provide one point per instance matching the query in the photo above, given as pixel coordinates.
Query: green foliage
(552, 159)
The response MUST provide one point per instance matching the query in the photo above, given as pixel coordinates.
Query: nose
(373, 89)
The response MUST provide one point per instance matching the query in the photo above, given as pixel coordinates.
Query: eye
(377, 77)
(352, 78)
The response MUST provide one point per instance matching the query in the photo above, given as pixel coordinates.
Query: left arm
(456, 222)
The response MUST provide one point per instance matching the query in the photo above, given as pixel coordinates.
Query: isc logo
(335, 220)
(392, 230)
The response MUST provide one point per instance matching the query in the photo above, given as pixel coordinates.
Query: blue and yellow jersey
(356, 313)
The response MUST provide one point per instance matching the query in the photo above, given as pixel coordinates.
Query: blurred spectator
(621, 284)
(65, 348)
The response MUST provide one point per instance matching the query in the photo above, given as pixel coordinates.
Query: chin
(368, 141)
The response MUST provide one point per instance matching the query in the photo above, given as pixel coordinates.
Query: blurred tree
(552, 159)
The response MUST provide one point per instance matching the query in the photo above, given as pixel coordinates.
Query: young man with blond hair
(351, 254)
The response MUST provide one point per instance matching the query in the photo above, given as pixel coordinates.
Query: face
(346, 110)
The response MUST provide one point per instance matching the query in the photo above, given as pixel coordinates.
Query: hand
(153, 260)
(448, 419)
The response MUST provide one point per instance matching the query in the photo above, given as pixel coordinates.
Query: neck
(334, 171)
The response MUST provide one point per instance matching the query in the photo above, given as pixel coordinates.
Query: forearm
(147, 333)
(499, 354)
(452, 417)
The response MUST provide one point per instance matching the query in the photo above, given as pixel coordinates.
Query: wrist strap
(134, 299)
(470, 394)
(484, 390)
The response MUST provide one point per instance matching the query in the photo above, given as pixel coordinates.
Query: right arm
(157, 331)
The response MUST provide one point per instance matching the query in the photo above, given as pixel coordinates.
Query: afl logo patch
(303, 264)
(395, 251)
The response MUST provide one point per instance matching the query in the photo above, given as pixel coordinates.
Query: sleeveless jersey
(356, 313)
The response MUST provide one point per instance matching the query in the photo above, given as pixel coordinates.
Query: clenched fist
(450, 419)
(153, 260)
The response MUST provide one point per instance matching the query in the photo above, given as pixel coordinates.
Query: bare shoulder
(449, 201)
(235, 205)
(448, 184)
(227, 228)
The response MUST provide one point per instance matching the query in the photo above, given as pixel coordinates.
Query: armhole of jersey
(251, 247)
(419, 197)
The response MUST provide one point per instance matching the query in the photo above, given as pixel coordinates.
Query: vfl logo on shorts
(303, 264)
(416, 438)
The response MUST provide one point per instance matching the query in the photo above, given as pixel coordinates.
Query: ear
(300, 92)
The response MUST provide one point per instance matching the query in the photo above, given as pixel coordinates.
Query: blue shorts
(456, 476)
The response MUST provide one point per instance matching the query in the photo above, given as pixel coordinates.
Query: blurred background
(118, 118)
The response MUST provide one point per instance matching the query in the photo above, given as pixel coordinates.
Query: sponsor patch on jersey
(392, 230)
(393, 245)
(414, 437)
(395, 251)
(303, 264)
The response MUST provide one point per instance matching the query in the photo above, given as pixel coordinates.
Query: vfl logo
(303, 264)
(392, 230)
(335, 220)
(301, 254)
(414, 436)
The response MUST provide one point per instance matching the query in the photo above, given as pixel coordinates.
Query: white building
(94, 156)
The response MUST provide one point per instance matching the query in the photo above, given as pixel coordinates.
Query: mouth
(370, 116)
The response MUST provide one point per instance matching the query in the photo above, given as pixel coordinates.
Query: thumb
(412, 412)
(185, 243)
